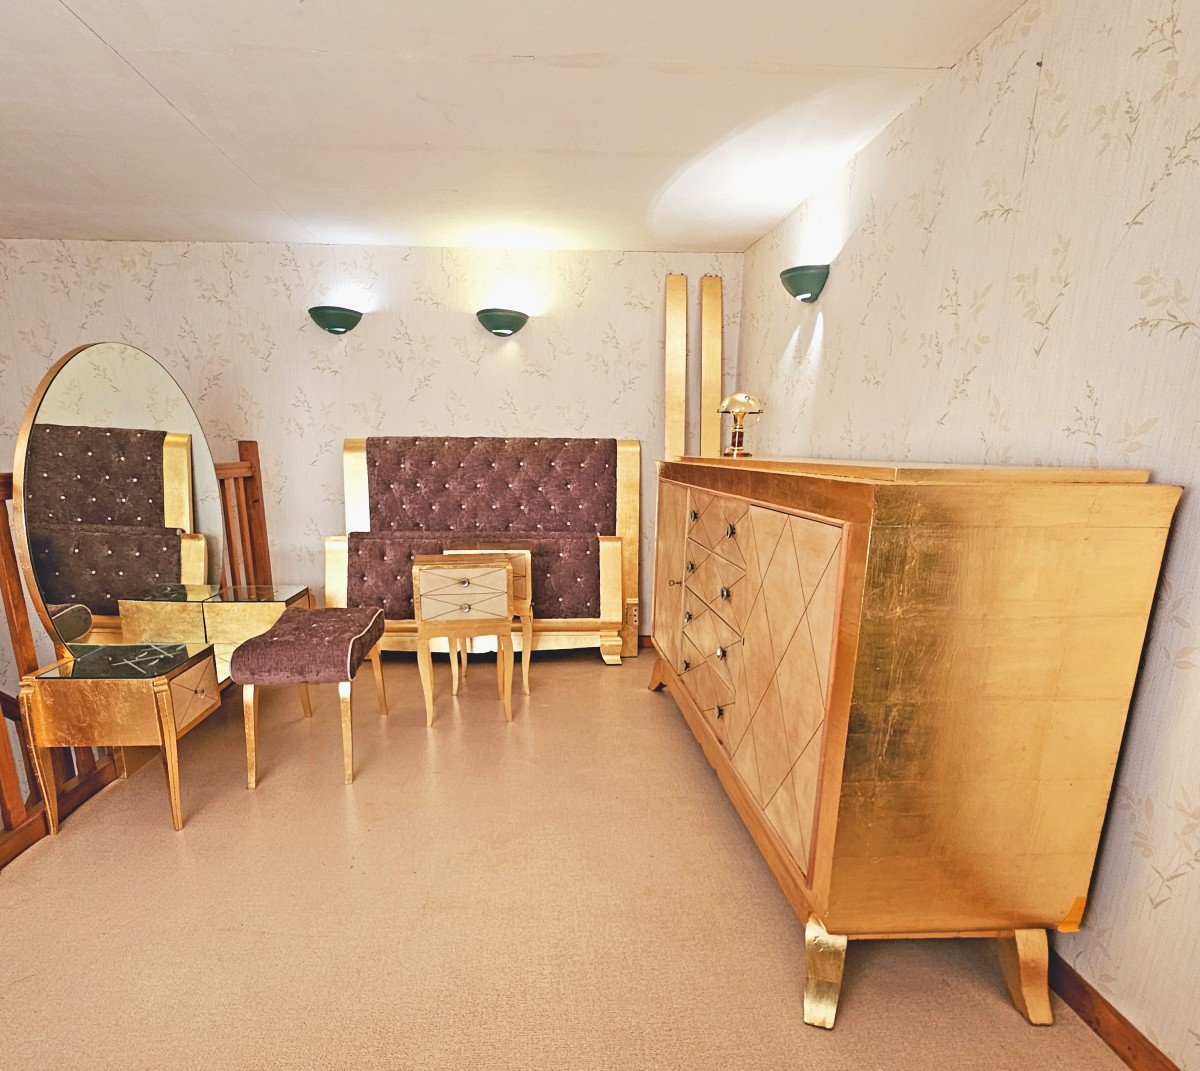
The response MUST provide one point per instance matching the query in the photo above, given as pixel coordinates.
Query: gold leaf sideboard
(912, 682)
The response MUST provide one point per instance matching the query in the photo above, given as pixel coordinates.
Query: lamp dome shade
(741, 404)
(502, 322)
(805, 281)
(334, 319)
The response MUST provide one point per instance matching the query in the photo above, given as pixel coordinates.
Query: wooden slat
(12, 802)
(228, 510)
(11, 590)
(256, 519)
(244, 533)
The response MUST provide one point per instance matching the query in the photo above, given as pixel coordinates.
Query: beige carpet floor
(572, 891)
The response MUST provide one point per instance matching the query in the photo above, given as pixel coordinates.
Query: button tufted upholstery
(85, 475)
(97, 564)
(558, 495)
(308, 647)
(476, 485)
(566, 570)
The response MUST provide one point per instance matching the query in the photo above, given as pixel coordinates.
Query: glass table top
(176, 593)
(123, 661)
(217, 593)
(260, 593)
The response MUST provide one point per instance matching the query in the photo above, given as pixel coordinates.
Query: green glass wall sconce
(806, 281)
(502, 322)
(334, 319)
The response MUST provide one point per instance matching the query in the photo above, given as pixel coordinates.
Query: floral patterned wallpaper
(230, 323)
(1016, 280)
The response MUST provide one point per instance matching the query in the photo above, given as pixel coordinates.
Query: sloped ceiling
(535, 123)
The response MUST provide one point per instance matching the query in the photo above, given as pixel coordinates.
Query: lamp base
(735, 451)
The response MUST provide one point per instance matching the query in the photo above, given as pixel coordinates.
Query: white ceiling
(616, 124)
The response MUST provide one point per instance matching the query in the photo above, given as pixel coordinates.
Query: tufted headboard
(93, 475)
(468, 484)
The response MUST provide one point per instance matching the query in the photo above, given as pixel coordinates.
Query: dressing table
(120, 537)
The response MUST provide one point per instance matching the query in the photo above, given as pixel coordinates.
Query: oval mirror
(116, 495)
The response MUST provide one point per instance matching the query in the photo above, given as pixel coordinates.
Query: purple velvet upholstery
(86, 475)
(97, 564)
(566, 570)
(557, 494)
(308, 647)
(470, 485)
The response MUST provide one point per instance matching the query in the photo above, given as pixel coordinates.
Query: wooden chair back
(247, 552)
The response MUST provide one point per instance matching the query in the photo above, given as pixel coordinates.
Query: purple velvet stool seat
(309, 647)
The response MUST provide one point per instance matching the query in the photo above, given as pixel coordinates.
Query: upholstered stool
(309, 647)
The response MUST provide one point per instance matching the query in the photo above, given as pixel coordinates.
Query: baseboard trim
(645, 641)
(1117, 1032)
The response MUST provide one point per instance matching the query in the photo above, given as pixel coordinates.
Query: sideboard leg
(824, 959)
(610, 648)
(1025, 960)
(658, 677)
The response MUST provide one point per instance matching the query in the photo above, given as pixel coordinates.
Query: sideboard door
(669, 554)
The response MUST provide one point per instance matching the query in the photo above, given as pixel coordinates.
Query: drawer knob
(720, 712)
(693, 515)
(686, 665)
(730, 531)
(465, 608)
(724, 593)
(464, 582)
(687, 615)
(720, 654)
(690, 566)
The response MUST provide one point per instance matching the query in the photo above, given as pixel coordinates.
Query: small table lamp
(739, 405)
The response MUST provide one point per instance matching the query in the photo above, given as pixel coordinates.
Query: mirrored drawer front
(194, 693)
(463, 594)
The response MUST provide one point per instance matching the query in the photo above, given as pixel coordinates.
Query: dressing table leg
(1025, 960)
(250, 712)
(344, 689)
(170, 747)
(376, 658)
(824, 959)
(43, 762)
(305, 700)
(425, 665)
(526, 648)
(658, 678)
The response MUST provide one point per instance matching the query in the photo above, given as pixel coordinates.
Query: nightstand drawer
(462, 593)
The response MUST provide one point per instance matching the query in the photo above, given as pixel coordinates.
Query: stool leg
(250, 711)
(344, 688)
(526, 648)
(305, 700)
(452, 647)
(425, 664)
(376, 658)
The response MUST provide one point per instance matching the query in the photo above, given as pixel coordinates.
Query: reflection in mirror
(118, 491)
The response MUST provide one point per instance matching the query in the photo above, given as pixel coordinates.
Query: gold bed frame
(615, 631)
